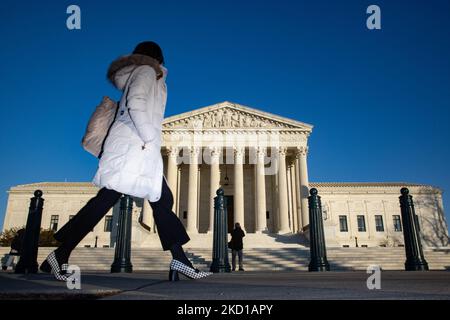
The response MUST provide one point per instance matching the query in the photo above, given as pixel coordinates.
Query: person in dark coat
(16, 244)
(236, 245)
(16, 247)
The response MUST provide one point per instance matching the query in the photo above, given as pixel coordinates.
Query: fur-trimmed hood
(120, 68)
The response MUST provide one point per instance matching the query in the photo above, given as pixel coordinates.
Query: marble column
(282, 192)
(214, 184)
(304, 184)
(292, 195)
(261, 221)
(178, 197)
(192, 212)
(172, 171)
(289, 190)
(239, 155)
(199, 193)
(298, 198)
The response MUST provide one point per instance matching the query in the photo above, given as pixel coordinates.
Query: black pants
(170, 229)
(233, 258)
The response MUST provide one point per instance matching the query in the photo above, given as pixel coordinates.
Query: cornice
(87, 187)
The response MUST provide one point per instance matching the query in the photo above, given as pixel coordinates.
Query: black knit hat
(151, 49)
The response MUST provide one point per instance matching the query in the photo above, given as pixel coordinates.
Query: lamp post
(28, 256)
(415, 260)
(122, 255)
(220, 261)
(318, 252)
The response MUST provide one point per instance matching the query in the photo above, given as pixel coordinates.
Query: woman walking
(131, 163)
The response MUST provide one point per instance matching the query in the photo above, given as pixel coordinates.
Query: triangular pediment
(228, 115)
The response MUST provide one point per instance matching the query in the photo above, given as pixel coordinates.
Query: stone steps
(256, 259)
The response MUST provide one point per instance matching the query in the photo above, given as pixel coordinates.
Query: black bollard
(220, 261)
(415, 260)
(318, 251)
(28, 257)
(122, 255)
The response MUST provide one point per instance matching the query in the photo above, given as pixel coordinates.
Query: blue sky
(378, 100)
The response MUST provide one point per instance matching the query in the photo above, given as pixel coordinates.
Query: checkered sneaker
(56, 270)
(188, 271)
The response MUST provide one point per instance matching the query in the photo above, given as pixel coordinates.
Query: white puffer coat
(131, 162)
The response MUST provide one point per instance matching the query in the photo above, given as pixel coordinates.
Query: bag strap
(107, 132)
(125, 96)
(117, 111)
(127, 87)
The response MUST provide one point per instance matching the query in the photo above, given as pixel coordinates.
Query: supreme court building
(260, 160)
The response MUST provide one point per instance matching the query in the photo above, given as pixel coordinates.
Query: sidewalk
(231, 286)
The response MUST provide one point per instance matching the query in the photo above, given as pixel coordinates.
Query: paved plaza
(231, 286)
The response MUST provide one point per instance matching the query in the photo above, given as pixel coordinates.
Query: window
(379, 226)
(343, 223)
(184, 214)
(267, 215)
(397, 223)
(361, 224)
(54, 222)
(108, 224)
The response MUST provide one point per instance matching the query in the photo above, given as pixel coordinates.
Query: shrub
(46, 238)
(7, 236)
